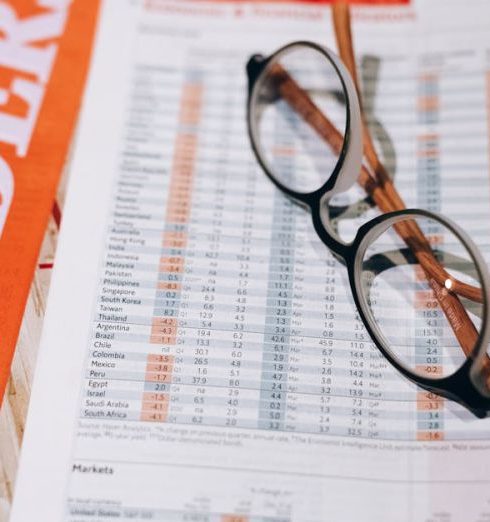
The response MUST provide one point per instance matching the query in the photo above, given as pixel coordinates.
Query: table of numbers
(217, 304)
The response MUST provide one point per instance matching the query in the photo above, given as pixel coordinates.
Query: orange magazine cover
(44, 54)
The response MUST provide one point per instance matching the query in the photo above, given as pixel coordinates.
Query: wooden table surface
(14, 408)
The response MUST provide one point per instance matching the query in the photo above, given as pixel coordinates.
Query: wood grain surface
(13, 412)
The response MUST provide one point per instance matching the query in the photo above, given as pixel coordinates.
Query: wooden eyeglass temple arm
(379, 186)
(457, 315)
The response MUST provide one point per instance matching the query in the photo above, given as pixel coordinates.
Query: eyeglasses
(420, 285)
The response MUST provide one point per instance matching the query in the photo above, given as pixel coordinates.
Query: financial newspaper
(165, 388)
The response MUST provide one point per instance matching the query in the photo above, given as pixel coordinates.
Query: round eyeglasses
(419, 283)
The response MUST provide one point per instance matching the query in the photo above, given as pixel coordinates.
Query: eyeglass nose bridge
(320, 215)
(254, 67)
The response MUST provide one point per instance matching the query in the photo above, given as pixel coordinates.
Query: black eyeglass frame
(465, 385)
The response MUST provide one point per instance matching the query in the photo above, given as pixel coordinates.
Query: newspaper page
(164, 390)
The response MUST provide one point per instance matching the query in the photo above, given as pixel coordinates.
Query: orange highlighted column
(429, 406)
(429, 362)
(154, 406)
(174, 237)
(164, 323)
(428, 104)
(163, 330)
(432, 407)
(428, 145)
(159, 370)
(428, 349)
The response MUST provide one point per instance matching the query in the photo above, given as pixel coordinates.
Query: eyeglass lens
(292, 150)
(408, 287)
